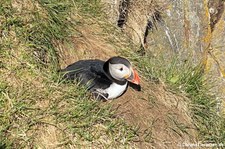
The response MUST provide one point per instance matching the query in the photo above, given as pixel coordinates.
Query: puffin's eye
(121, 69)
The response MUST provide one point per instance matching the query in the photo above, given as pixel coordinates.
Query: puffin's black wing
(88, 72)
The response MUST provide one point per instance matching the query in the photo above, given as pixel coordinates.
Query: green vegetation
(183, 77)
(32, 97)
(34, 100)
(29, 108)
(188, 79)
(39, 25)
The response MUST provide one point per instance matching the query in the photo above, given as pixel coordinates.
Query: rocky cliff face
(189, 28)
(216, 53)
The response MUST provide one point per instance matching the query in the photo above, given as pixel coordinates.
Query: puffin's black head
(119, 69)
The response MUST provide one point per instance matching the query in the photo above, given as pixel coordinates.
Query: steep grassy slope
(38, 109)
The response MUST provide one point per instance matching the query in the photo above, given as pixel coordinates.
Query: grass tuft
(44, 23)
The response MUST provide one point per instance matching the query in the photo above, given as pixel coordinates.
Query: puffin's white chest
(115, 90)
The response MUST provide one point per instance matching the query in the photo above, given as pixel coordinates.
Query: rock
(216, 57)
(188, 28)
(131, 15)
(111, 8)
(183, 31)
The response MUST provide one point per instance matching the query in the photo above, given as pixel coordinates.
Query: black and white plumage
(106, 80)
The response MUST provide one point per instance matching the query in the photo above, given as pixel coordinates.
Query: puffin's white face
(119, 71)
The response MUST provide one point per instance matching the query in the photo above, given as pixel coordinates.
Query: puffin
(104, 79)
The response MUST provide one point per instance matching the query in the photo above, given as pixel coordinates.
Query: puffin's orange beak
(134, 78)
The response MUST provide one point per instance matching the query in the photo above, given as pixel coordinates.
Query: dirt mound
(161, 117)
